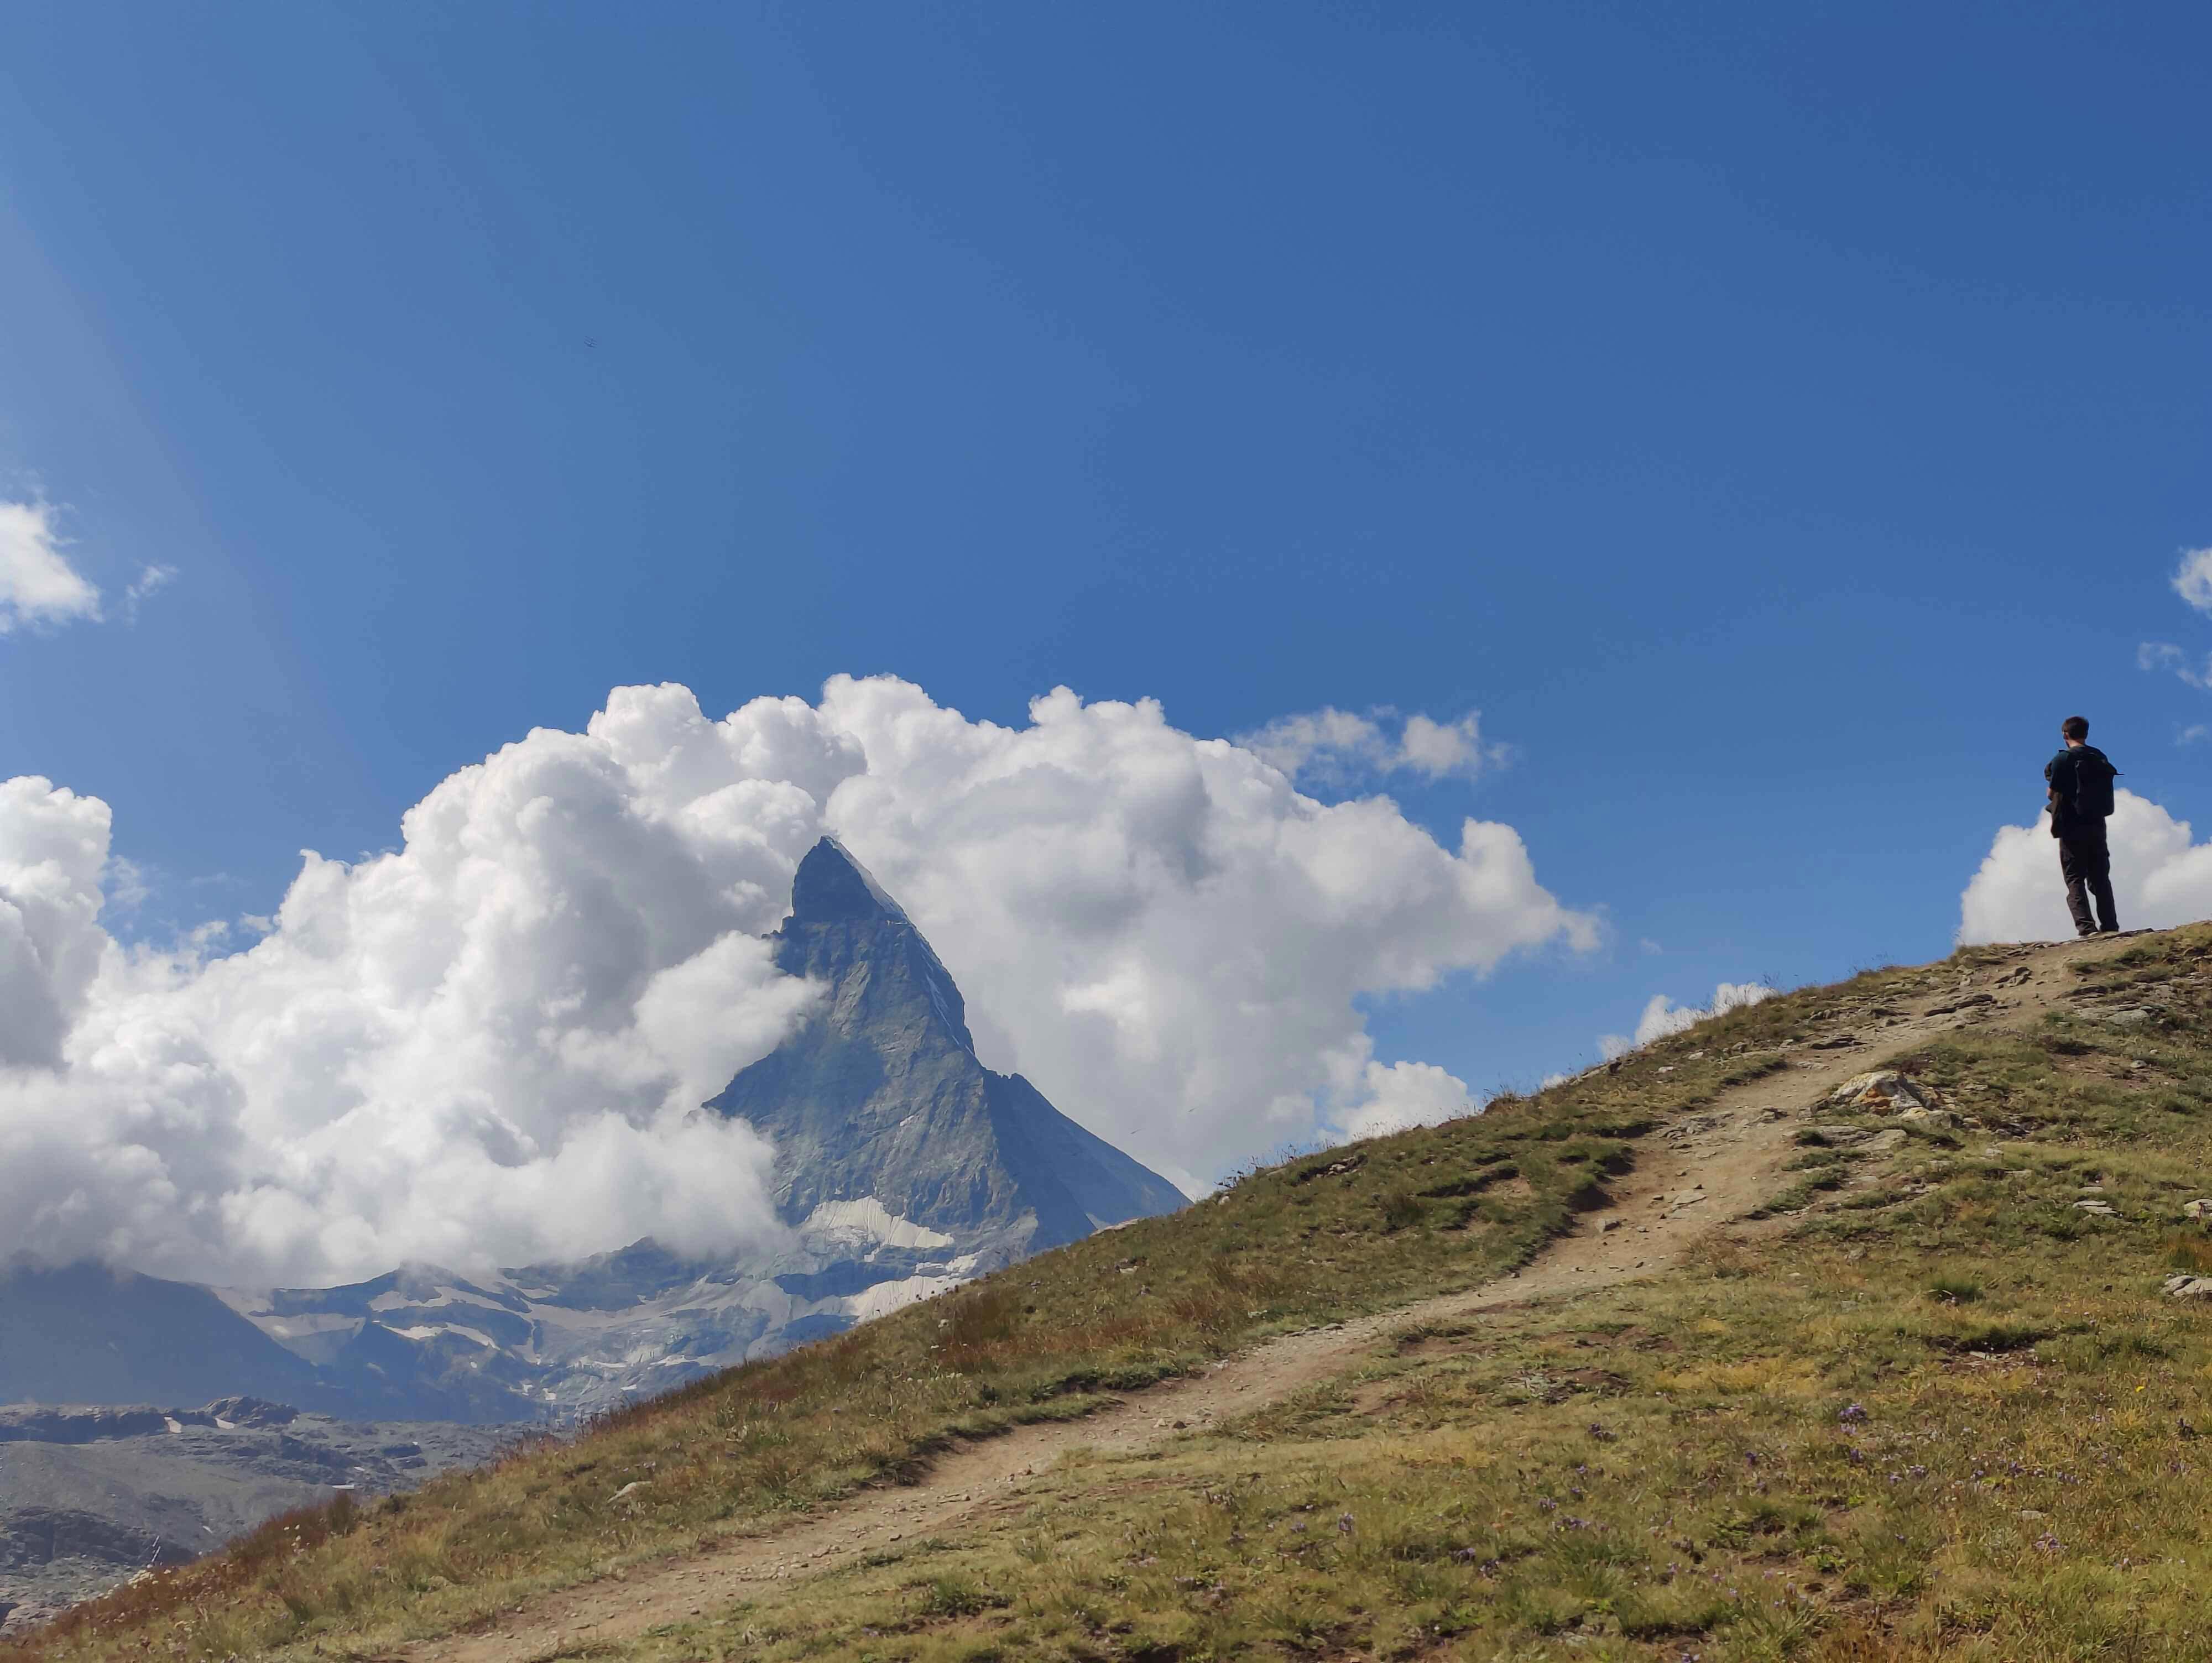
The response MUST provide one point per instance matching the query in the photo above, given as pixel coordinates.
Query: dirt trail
(1701, 1170)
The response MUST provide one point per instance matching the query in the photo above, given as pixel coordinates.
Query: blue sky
(1771, 420)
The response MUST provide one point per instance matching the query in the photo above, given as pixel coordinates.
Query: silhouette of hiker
(2081, 780)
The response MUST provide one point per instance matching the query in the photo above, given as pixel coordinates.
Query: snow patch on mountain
(871, 1219)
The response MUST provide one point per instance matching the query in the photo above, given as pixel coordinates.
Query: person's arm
(2057, 777)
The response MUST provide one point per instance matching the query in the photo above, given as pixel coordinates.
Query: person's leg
(2074, 868)
(2098, 869)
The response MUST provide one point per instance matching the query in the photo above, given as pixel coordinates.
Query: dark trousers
(2088, 864)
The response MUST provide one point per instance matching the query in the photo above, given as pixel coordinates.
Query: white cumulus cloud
(1159, 931)
(2164, 655)
(1662, 1017)
(2159, 878)
(2192, 578)
(38, 586)
(53, 844)
(1397, 1095)
(142, 587)
(1332, 746)
(487, 1046)
(483, 1047)
(2193, 581)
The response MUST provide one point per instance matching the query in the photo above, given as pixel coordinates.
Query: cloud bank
(2159, 878)
(1331, 746)
(486, 1047)
(1401, 1095)
(1662, 1017)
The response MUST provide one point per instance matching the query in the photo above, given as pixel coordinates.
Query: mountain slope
(82, 1333)
(880, 1097)
(1905, 1394)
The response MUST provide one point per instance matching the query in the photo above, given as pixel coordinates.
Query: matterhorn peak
(880, 1099)
(832, 887)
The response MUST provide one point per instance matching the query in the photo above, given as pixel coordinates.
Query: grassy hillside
(1929, 1407)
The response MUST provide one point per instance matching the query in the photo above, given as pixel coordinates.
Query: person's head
(2076, 730)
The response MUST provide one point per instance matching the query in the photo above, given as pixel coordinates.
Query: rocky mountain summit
(880, 1104)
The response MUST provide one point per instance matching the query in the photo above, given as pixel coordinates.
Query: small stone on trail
(2189, 1287)
(2200, 1210)
(2098, 1208)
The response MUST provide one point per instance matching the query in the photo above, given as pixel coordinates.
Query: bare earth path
(1701, 1170)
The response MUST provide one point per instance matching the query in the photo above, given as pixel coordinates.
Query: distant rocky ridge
(903, 1167)
(91, 1497)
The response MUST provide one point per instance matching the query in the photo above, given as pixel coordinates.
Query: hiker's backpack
(2093, 786)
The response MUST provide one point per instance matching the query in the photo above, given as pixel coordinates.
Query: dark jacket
(2068, 774)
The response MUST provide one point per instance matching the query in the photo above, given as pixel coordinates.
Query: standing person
(2080, 780)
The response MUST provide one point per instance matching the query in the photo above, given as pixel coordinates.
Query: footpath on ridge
(1713, 1167)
